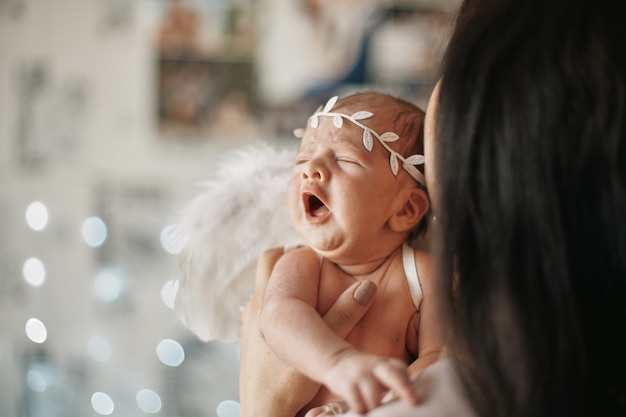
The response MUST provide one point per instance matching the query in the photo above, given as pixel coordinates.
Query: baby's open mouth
(315, 207)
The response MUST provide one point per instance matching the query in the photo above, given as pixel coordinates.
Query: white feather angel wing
(233, 218)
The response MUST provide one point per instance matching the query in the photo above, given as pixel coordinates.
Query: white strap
(410, 270)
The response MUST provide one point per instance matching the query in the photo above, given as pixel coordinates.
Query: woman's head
(530, 173)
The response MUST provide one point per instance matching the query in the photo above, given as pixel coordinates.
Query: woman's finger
(350, 307)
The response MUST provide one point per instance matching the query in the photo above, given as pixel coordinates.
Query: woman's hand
(268, 387)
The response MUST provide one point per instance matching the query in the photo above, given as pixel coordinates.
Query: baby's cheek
(293, 207)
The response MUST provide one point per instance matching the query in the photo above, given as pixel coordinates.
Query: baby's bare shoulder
(298, 265)
(302, 255)
(425, 268)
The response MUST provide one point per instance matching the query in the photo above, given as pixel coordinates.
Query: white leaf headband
(407, 163)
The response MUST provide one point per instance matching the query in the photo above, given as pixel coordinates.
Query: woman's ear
(414, 205)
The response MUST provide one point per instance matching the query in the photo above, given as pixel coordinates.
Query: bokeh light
(99, 348)
(170, 243)
(36, 216)
(34, 272)
(170, 352)
(228, 408)
(102, 403)
(94, 231)
(148, 401)
(168, 293)
(109, 285)
(36, 330)
(37, 380)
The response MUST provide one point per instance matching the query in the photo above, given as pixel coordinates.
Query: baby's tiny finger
(393, 374)
(355, 402)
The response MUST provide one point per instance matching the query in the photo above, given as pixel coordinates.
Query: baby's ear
(414, 205)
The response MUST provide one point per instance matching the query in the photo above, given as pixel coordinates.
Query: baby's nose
(316, 170)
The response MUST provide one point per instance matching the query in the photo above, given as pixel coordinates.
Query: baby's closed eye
(302, 159)
(348, 161)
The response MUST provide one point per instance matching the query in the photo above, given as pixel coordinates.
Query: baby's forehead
(387, 115)
(348, 136)
(379, 130)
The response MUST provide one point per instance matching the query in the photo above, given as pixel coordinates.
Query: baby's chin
(326, 246)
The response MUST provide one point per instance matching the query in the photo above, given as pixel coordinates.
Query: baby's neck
(373, 268)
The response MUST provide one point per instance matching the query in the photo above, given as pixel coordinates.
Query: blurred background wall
(111, 113)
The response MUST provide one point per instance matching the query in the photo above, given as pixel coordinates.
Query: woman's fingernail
(365, 292)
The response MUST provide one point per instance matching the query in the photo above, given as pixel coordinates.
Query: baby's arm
(294, 330)
(289, 321)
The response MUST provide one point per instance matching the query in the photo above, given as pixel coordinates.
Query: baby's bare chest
(383, 330)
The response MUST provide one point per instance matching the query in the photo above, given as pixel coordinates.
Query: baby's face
(340, 194)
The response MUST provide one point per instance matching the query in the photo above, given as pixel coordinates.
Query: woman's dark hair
(531, 161)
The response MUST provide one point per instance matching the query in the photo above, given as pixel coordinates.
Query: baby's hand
(362, 380)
